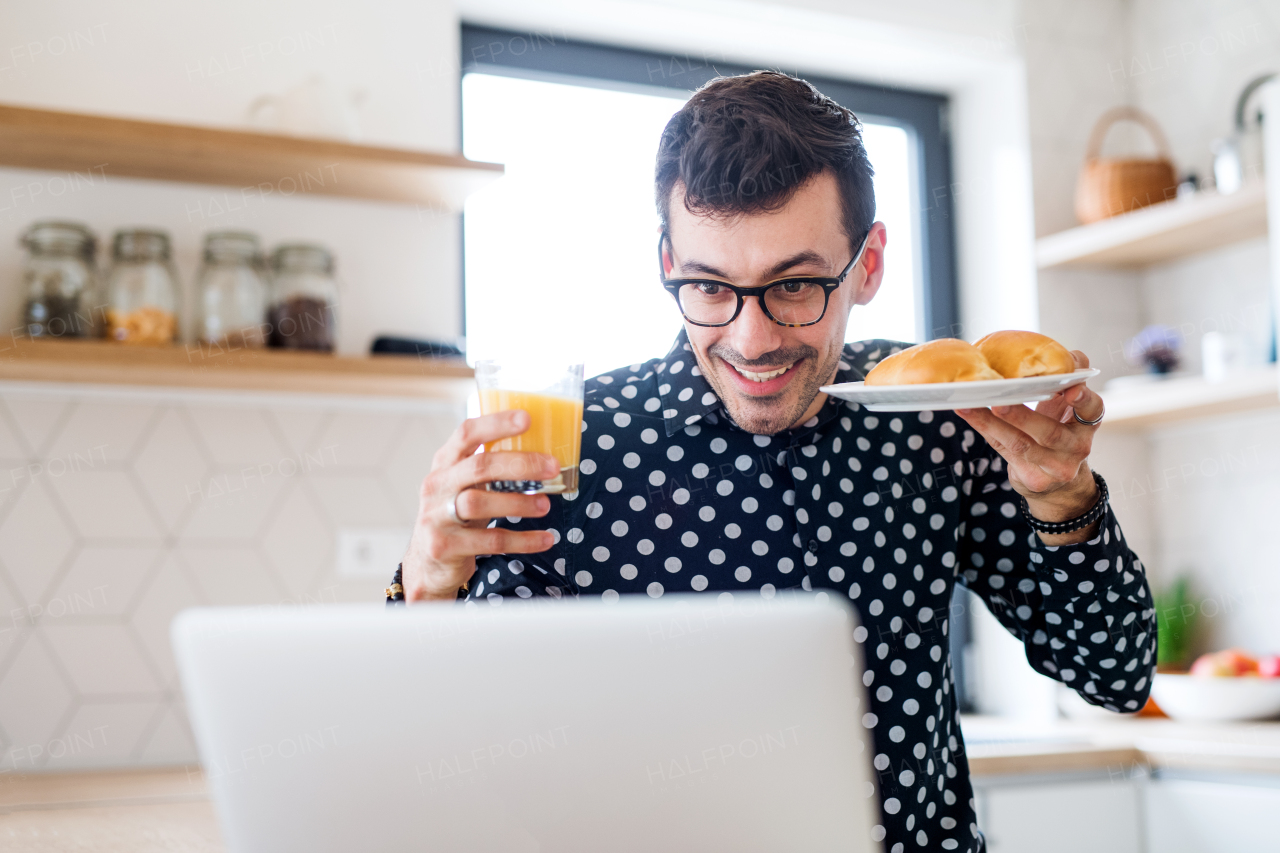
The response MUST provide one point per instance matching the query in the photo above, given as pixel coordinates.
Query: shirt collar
(687, 397)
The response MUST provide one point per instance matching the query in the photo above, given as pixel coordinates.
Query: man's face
(767, 375)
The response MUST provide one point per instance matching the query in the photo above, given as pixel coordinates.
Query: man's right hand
(442, 553)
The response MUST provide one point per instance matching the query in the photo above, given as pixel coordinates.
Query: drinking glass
(552, 395)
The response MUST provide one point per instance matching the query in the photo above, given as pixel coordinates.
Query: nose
(753, 334)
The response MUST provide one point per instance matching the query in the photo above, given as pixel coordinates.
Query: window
(577, 126)
(565, 245)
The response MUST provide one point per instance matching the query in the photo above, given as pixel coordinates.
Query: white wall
(205, 64)
(1188, 62)
(118, 508)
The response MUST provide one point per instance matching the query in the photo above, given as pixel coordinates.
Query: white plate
(958, 395)
(1202, 698)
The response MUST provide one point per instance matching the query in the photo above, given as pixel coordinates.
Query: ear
(664, 254)
(873, 262)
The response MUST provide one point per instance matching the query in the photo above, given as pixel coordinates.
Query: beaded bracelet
(1079, 522)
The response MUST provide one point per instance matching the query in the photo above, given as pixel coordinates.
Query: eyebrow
(806, 257)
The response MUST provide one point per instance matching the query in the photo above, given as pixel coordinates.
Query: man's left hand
(1046, 452)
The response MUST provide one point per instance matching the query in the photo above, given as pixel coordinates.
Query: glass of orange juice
(552, 395)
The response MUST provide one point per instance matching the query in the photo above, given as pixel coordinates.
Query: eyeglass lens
(790, 302)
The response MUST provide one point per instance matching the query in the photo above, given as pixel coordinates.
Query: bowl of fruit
(1222, 686)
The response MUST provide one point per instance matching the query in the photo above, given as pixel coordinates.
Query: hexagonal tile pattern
(232, 576)
(101, 430)
(12, 448)
(298, 426)
(236, 436)
(105, 505)
(358, 439)
(102, 734)
(155, 507)
(34, 541)
(171, 469)
(233, 504)
(15, 618)
(102, 580)
(299, 543)
(37, 420)
(358, 500)
(33, 700)
(101, 659)
(169, 592)
(410, 459)
(171, 742)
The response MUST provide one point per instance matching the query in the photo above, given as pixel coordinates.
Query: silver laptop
(672, 725)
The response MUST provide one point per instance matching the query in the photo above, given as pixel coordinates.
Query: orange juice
(555, 428)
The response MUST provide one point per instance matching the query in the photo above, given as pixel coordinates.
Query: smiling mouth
(762, 377)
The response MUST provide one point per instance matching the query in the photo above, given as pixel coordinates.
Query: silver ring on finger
(451, 510)
(1093, 422)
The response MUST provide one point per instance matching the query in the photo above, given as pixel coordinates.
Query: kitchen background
(153, 509)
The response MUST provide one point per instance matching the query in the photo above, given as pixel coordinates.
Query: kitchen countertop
(140, 811)
(999, 746)
(168, 809)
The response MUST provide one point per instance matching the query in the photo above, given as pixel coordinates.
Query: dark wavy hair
(745, 144)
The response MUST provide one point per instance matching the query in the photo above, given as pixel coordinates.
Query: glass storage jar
(304, 296)
(231, 292)
(58, 279)
(141, 289)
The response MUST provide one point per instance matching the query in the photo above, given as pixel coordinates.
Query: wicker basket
(1110, 186)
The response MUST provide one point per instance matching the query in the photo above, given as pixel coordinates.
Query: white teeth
(763, 377)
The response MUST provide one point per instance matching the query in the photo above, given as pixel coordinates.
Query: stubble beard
(773, 414)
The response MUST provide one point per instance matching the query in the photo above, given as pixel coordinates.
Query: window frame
(924, 115)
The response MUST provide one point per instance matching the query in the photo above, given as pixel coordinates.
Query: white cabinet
(1094, 815)
(1195, 816)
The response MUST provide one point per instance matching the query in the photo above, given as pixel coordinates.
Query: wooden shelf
(1170, 401)
(97, 145)
(108, 363)
(1162, 232)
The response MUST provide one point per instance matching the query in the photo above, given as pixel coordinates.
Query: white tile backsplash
(104, 580)
(105, 504)
(104, 734)
(172, 500)
(103, 431)
(100, 659)
(169, 466)
(36, 540)
(170, 590)
(35, 698)
(234, 437)
(37, 420)
(12, 447)
(171, 741)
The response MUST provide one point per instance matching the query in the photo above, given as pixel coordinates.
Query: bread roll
(943, 360)
(1016, 354)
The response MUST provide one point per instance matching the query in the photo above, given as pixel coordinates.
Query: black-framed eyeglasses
(790, 302)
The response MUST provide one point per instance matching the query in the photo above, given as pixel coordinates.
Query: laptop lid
(680, 724)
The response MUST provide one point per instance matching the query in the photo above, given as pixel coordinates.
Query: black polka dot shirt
(886, 510)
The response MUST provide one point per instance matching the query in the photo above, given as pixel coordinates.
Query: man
(721, 468)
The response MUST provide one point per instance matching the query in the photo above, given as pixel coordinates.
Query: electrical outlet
(371, 551)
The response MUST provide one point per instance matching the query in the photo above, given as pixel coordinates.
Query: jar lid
(140, 244)
(231, 247)
(59, 238)
(302, 257)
